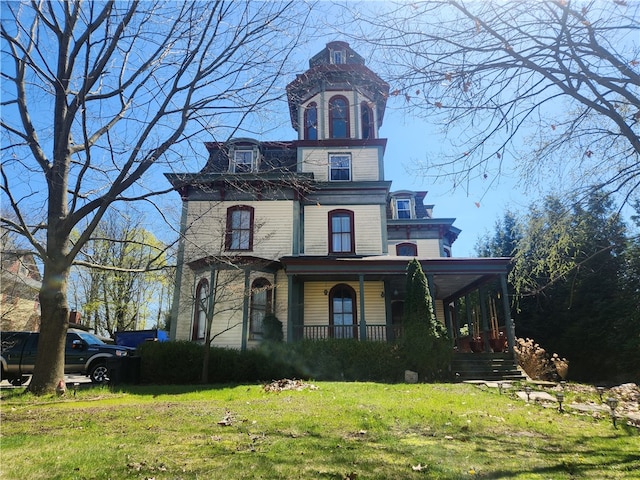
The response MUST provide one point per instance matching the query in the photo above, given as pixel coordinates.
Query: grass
(337, 431)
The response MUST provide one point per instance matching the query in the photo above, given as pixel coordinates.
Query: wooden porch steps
(485, 366)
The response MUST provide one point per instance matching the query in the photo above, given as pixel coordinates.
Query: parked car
(85, 354)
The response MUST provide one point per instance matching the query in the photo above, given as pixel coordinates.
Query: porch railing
(379, 333)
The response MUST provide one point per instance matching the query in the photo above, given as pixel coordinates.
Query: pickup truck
(85, 354)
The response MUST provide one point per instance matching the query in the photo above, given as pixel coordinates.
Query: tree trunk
(49, 366)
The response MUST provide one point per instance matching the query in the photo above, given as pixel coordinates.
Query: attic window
(404, 208)
(243, 161)
(338, 57)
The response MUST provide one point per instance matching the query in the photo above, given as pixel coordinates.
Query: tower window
(339, 117)
(366, 119)
(311, 122)
(340, 167)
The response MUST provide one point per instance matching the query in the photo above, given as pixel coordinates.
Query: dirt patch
(287, 384)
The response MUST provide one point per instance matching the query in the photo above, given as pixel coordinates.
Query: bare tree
(96, 95)
(552, 85)
(120, 274)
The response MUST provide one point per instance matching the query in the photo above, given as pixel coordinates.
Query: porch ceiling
(452, 277)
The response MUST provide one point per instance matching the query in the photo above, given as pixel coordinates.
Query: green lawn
(337, 431)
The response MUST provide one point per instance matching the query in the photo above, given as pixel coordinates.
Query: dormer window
(243, 161)
(404, 208)
(338, 57)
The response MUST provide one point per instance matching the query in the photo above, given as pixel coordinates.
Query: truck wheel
(99, 373)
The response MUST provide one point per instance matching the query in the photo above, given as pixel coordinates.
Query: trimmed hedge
(331, 359)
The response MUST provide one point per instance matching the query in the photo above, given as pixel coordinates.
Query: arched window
(311, 122)
(200, 312)
(366, 119)
(261, 305)
(339, 117)
(239, 234)
(342, 312)
(341, 232)
(406, 250)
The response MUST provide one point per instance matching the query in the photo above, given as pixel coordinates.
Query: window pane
(407, 250)
(341, 234)
(338, 114)
(403, 207)
(243, 160)
(340, 166)
(343, 315)
(311, 123)
(240, 230)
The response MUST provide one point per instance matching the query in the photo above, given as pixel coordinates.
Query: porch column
(485, 318)
(245, 308)
(291, 301)
(387, 311)
(509, 324)
(363, 323)
(467, 306)
(448, 320)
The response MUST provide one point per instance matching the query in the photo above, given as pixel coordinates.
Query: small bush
(535, 361)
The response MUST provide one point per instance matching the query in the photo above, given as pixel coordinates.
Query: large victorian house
(311, 231)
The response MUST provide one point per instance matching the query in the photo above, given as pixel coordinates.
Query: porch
(470, 298)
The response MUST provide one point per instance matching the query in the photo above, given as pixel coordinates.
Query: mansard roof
(274, 156)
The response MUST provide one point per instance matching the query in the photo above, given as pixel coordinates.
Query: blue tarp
(134, 338)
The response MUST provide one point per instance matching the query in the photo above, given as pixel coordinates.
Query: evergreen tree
(424, 340)
(567, 277)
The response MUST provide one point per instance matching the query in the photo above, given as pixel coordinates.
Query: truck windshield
(91, 339)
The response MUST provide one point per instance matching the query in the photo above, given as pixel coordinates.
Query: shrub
(331, 359)
(272, 328)
(538, 365)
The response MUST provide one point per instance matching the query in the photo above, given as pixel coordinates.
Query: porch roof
(452, 277)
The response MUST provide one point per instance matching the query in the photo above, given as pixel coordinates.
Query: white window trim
(348, 155)
(234, 163)
(412, 208)
(343, 57)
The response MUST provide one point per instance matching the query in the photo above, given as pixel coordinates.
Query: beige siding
(364, 163)
(273, 228)
(316, 303)
(368, 229)
(185, 305)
